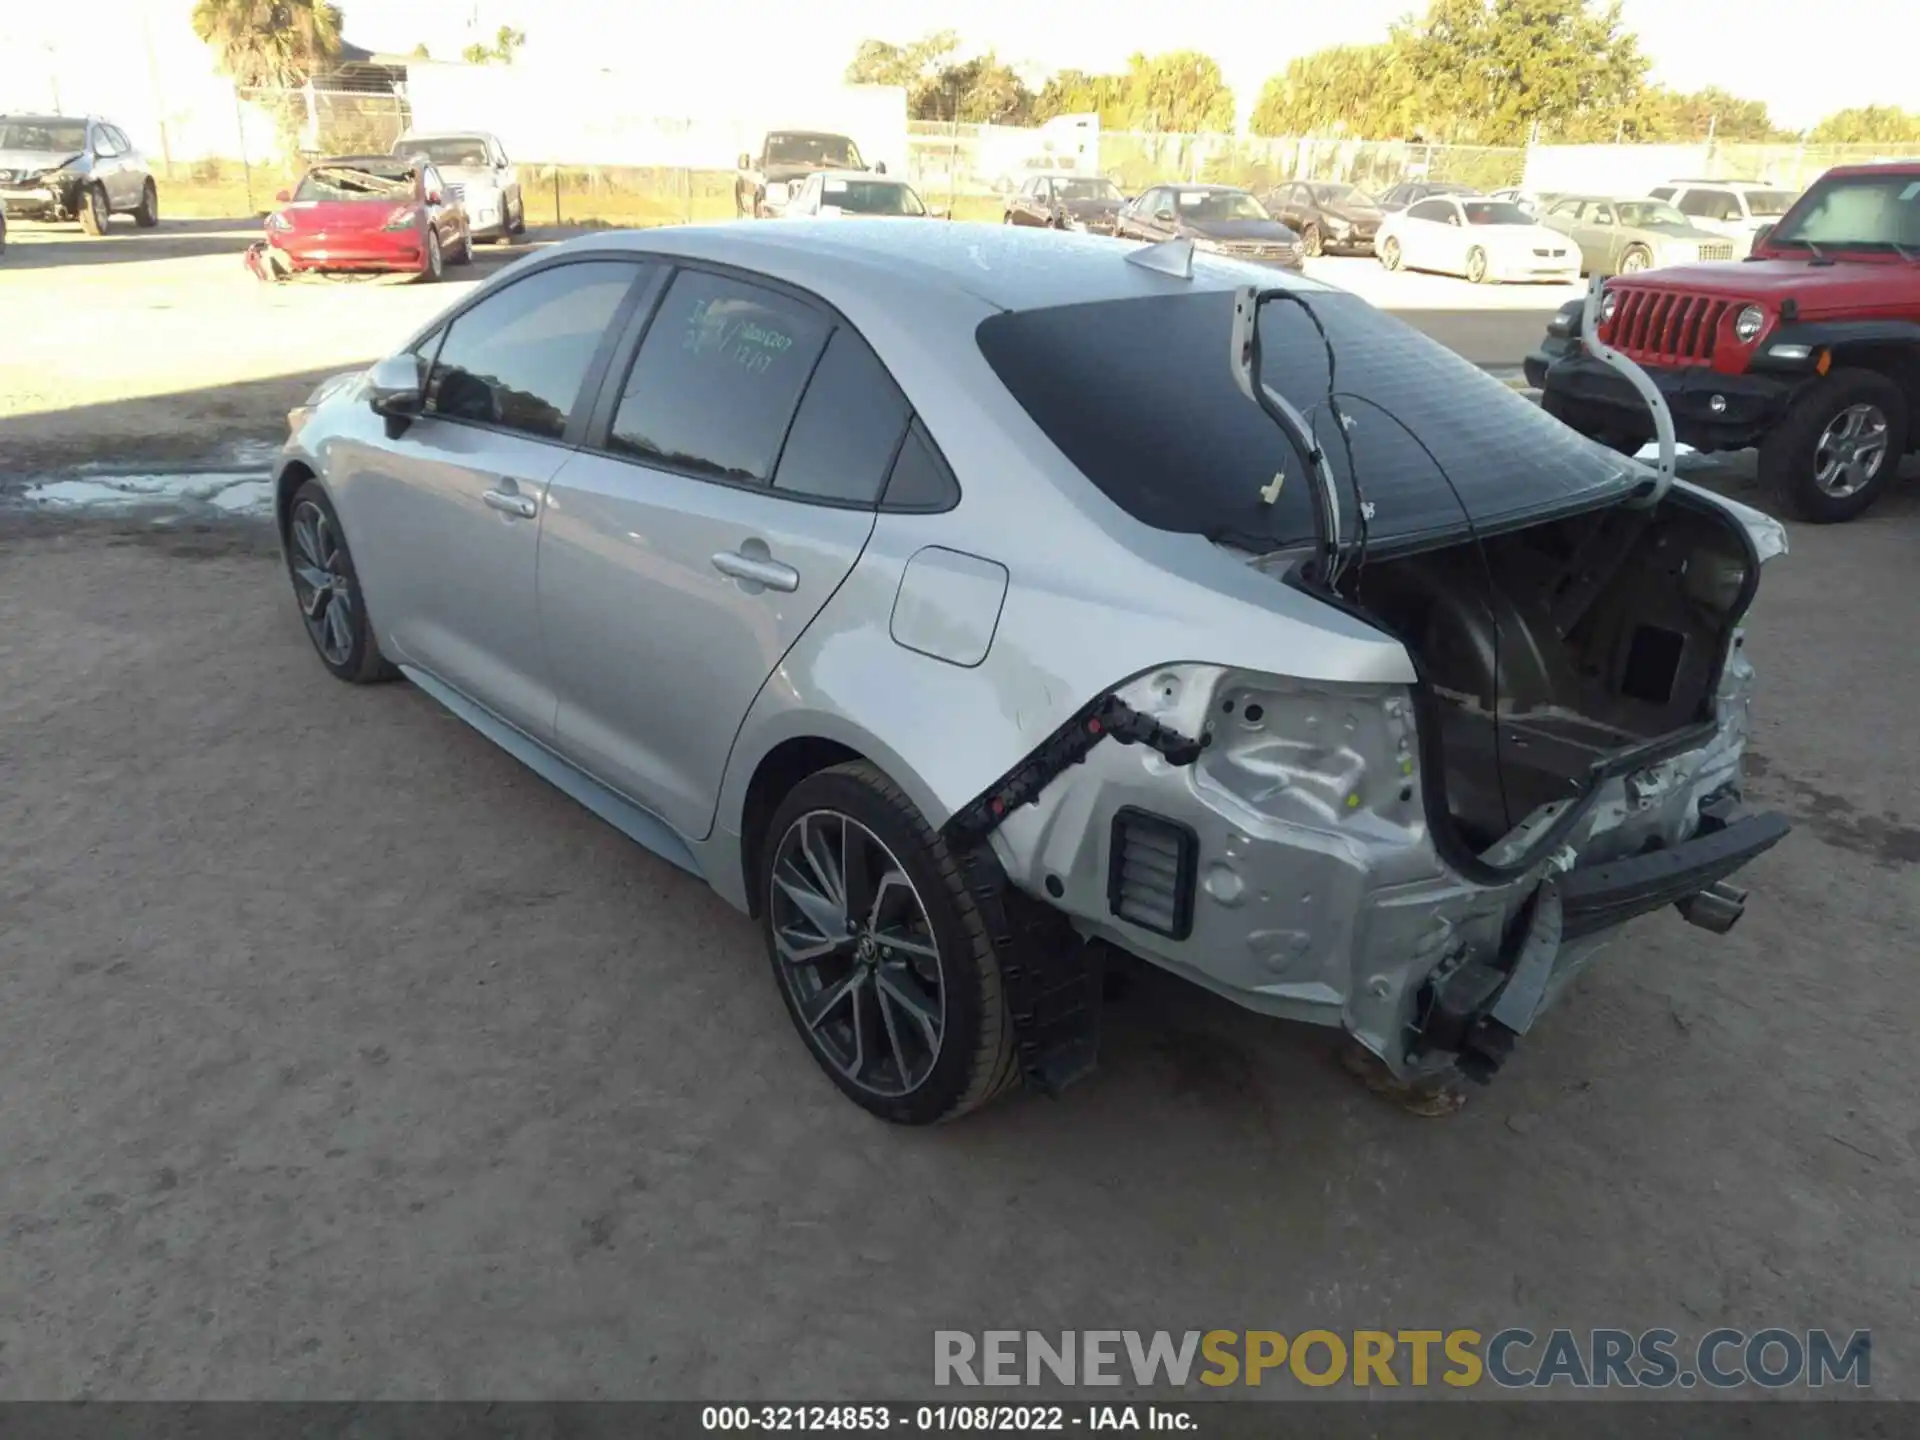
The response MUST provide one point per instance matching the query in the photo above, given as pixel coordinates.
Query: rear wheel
(879, 951)
(326, 587)
(1637, 258)
(94, 211)
(147, 214)
(1313, 242)
(1390, 253)
(1839, 446)
(1477, 265)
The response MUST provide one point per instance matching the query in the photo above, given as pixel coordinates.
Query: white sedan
(1481, 238)
(831, 194)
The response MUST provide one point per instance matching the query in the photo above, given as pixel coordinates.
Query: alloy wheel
(322, 585)
(1634, 262)
(856, 953)
(1850, 450)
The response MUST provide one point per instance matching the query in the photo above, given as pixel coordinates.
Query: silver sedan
(968, 602)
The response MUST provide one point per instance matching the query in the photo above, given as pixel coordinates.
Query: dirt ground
(342, 1057)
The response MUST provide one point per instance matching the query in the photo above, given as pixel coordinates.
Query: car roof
(1010, 267)
(412, 135)
(811, 134)
(1733, 184)
(870, 176)
(1212, 189)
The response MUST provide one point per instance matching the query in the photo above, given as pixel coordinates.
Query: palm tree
(269, 42)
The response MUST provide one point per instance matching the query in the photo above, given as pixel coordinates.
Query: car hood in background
(31, 160)
(1361, 215)
(1271, 232)
(337, 215)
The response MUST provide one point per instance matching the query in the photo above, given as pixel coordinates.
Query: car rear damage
(1423, 865)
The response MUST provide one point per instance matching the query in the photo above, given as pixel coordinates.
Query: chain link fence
(969, 168)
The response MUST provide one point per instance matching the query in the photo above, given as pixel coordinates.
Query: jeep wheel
(94, 211)
(147, 214)
(1838, 447)
(879, 952)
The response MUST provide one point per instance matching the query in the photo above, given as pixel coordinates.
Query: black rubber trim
(1052, 979)
(1593, 897)
(1186, 867)
(1105, 717)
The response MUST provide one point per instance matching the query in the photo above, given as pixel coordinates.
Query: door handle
(770, 573)
(507, 502)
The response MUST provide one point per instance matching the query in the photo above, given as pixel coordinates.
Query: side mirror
(879, 167)
(1165, 217)
(434, 197)
(394, 390)
(282, 197)
(746, 161)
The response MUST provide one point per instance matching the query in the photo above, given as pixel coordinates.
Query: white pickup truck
(478, 174)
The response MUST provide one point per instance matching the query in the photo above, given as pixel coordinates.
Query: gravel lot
(342, 1057)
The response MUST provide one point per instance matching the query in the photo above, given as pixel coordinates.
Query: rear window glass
(1140, 396)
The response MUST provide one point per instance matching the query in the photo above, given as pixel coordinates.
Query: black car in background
(1412, 192)
(1221, 218)
(1062, 201)
(1331, 216)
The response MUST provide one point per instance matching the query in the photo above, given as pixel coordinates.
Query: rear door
(729, 485)
(445, 519)
(1425, 239)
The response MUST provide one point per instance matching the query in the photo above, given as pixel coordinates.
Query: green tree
(419, 52)
(1181, 91)
(915, 66)
(507, 42)
(981, 91)
(1868, 125)
(269, 43)
(1348, 90)
(1074, 92)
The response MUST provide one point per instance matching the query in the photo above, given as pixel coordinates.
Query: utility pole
(159, 98)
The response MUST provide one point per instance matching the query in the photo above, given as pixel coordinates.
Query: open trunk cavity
(1547, 651)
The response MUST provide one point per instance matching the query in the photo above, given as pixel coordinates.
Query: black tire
(361, 663)
(1313, 242)
(95, 213)
(1637, 258)
(517, 221)
(147, 214)
(1390, 253)
(464, 256)
(436, 265)
(1791, 457)
(1477, 265)
(976, 1058)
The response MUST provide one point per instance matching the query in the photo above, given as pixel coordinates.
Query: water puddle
(229, 492)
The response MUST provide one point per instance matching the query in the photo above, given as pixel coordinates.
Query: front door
(729, 488)
(450, 519)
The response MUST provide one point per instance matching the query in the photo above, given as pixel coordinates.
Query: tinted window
(717, 378)
(1165, 433)
(1439, 210)
(1707, 204)
(920, 480)
(1662, 192)
(847, 428)
(517, 358)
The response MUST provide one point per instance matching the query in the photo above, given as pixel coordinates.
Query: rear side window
(517, 359)
(921, 480)
(717, 379)
(847, 429)
(1709, 205)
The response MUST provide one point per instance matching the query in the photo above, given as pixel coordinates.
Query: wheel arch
(291, 477)
(780, 758)
(1898, 360)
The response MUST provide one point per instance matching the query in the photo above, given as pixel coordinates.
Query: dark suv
(1808, 350)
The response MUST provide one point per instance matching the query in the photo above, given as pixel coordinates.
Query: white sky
(1860, 51)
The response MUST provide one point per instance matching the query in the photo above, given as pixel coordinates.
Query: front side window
(1650, 212)
(1709, 205)
(717, 378)
(1600, 215)
(517, 359)
(1566, 208)
(103, 141)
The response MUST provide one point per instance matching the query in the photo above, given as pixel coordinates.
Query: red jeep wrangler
(1808, 349)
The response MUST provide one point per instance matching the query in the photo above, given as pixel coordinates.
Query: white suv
(1737, 209)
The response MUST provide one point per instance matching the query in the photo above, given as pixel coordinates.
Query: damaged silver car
(961, 601)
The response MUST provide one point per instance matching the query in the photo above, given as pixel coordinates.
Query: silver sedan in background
(965, 602)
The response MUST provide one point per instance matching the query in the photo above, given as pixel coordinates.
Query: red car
(369, 212)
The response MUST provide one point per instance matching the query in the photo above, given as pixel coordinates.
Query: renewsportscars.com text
(1512, 1358)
